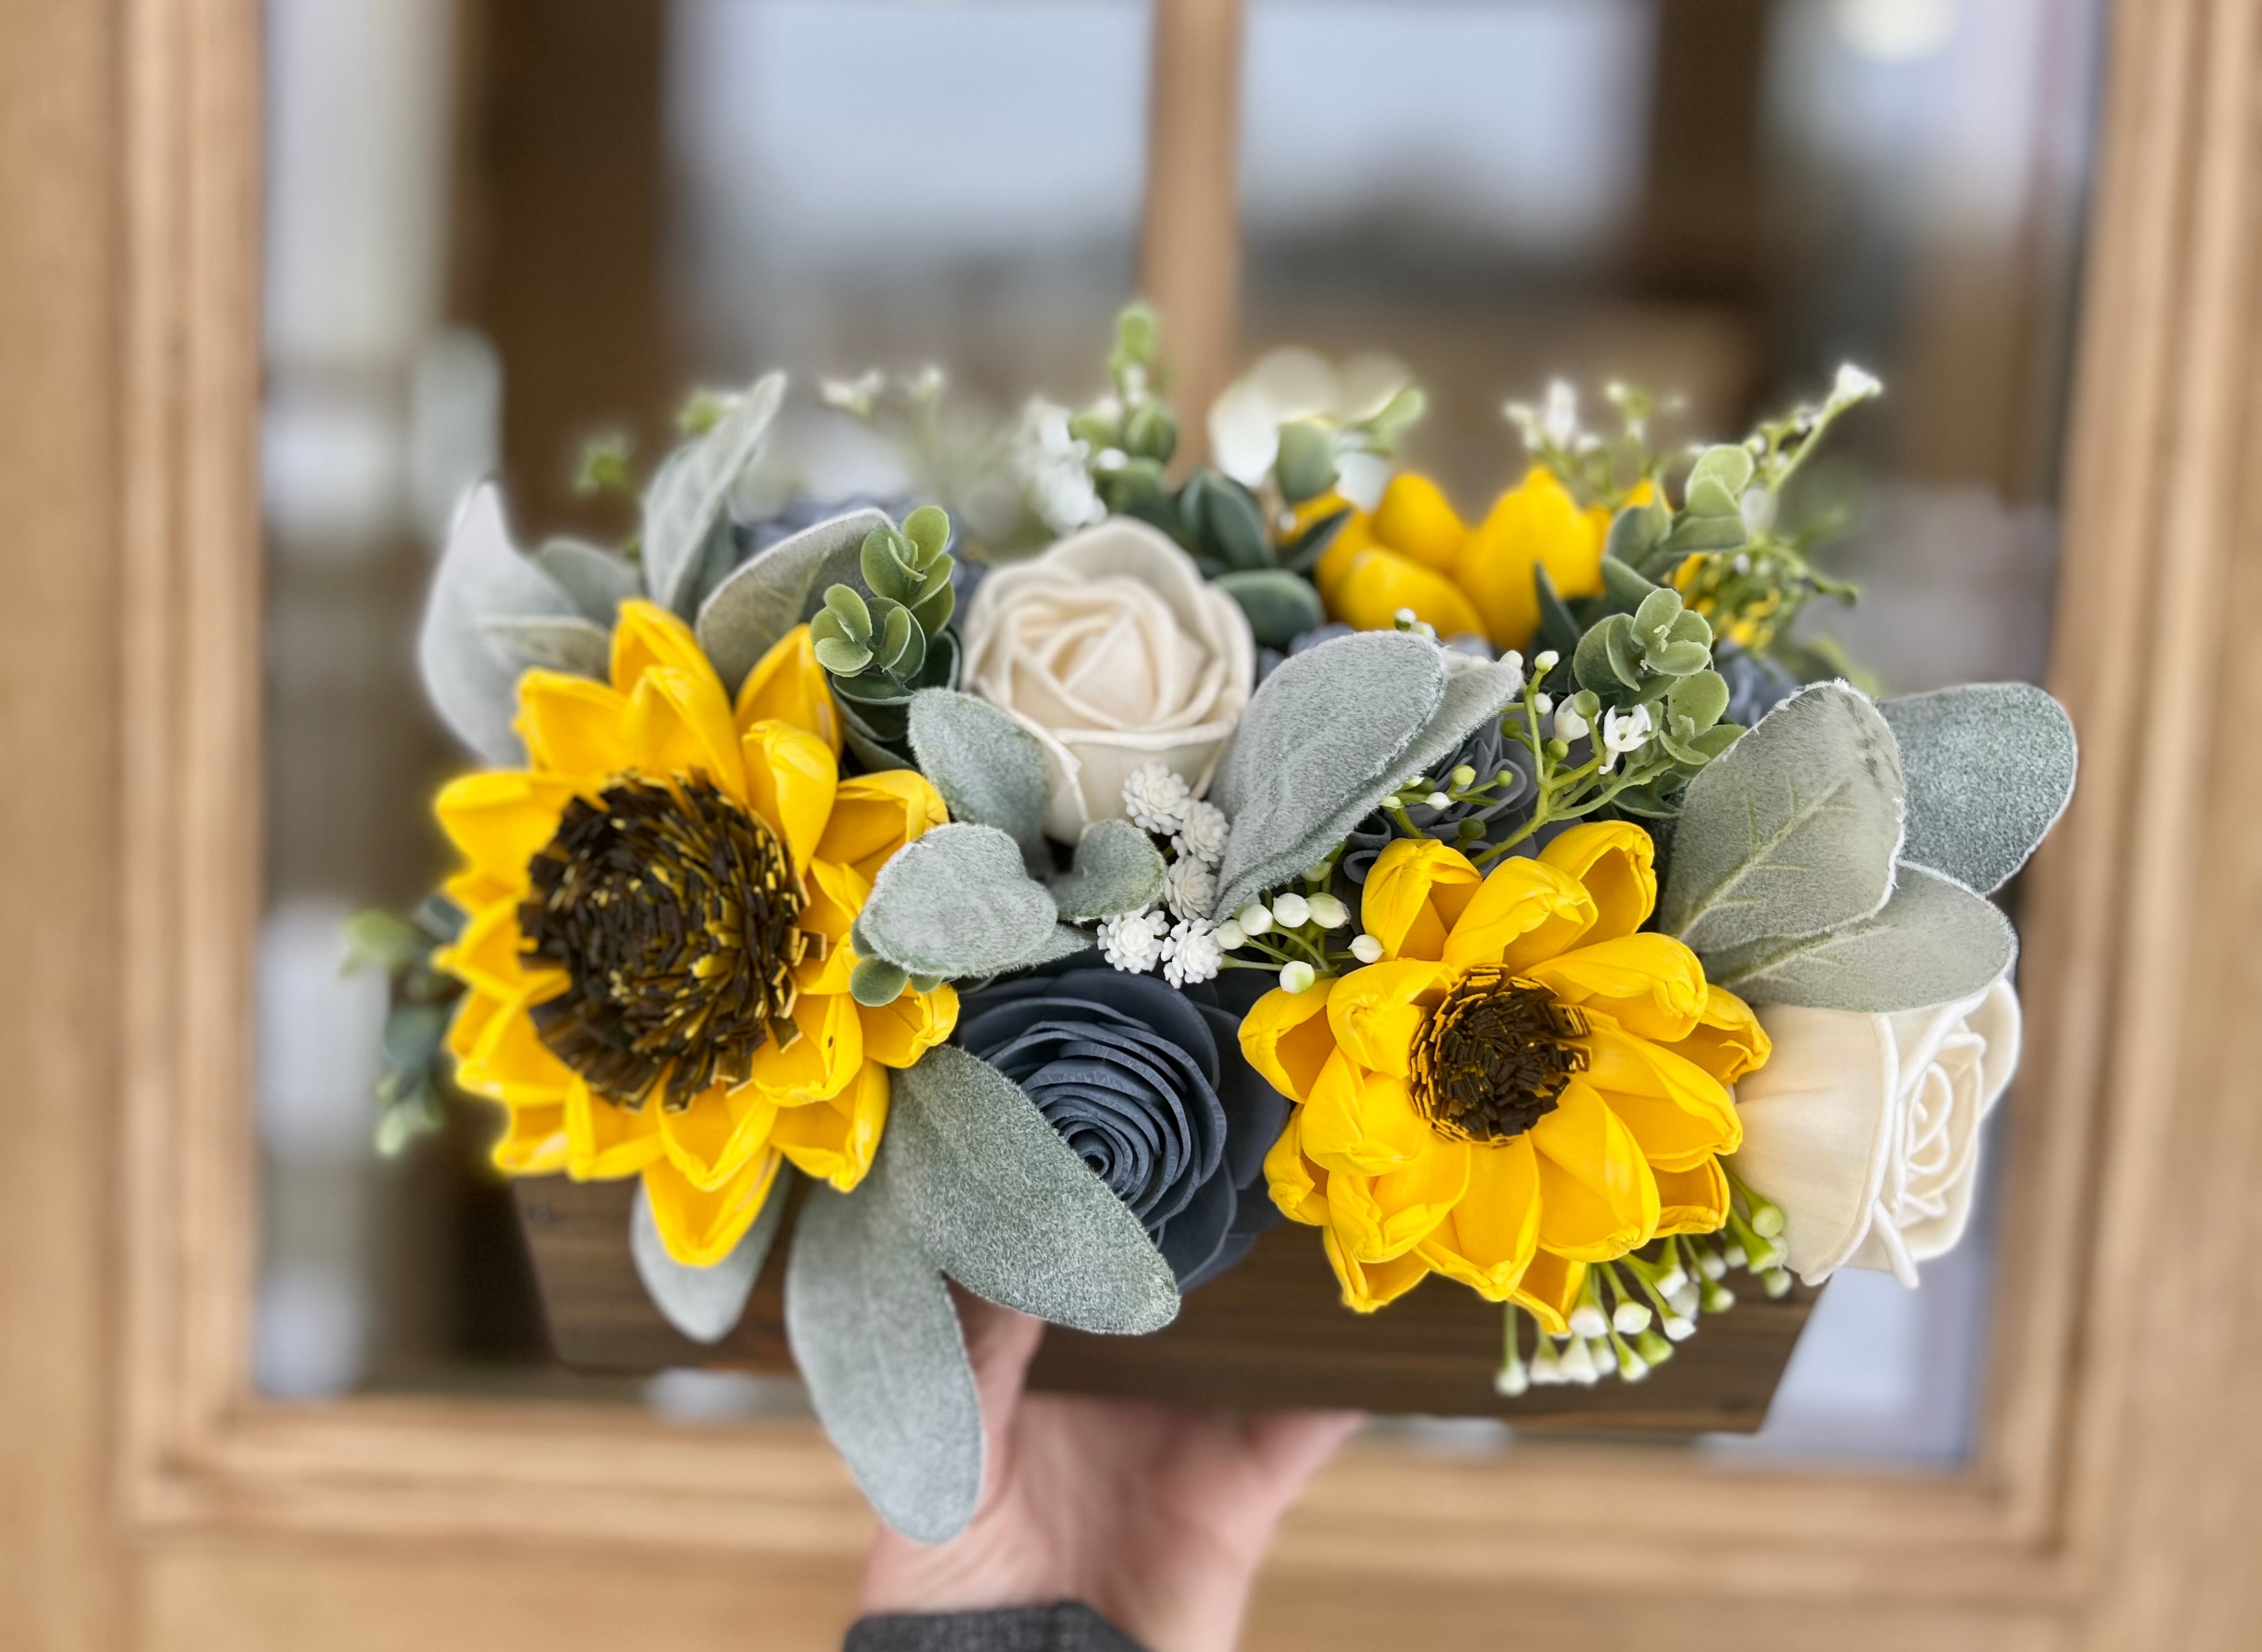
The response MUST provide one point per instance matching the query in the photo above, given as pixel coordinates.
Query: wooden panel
(1271, 1332)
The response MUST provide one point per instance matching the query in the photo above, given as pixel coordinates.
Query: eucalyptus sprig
(887, 637)
(414, 1087)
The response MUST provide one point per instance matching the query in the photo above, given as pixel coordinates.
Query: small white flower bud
(1462, 777)
(1631, 1318)
(1254, 918)
(1544, 661)
(1327, 911)
(1439, 800)
(1229, 935)
(1545, 703)
(1316, 872)
(1631, 1367)
(1587, 1321)
(1366, 949)
(1297, 977)
(1290, 911)
(1577, 1364)
(1678, 1329)
(1404, 616)
(1510, 1380)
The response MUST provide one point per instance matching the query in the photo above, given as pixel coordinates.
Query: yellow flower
(1415, 553)
(1523, 1084)
(656, 945)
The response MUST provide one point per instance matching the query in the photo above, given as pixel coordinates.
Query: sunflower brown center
(671, 910)
(1491, 1059)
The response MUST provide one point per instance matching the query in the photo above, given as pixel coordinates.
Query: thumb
(999, 1344)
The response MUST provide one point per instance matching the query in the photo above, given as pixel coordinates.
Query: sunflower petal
(1367, 1285)
(1492, 1234)
(1692, 1201)
(1375, 1218)
(711, 1140)
(1680, 1114)
(1728, 1041)
(874, 815)
(791, 779)
(509, 1061)
(899, 1033)
(607, 1140)
(1417, 890)
(679, 724)
(1533, 525)
(1550, 1289)
(1524, 912)
(1597, 1197)
(701, 1226)
(1416, 520)
(834, 1139)
(499, 817)
(1617, 862)
(1379, 582)
(824, 1060)
(1362, 1121)
(1287, 1038)
(1298, 1186)
(1651, 985)
(1377, 1012)
(646, 637)
(534, 1142)
(788, 684)
(571, 726)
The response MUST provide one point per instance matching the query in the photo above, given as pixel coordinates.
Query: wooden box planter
(1269, 1332)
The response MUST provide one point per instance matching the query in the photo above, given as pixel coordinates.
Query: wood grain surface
(1270, 1332)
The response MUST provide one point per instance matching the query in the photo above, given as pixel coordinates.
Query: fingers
(999, 1344)
(1288, 1447)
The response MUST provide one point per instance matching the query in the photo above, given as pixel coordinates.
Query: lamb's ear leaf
(472, 683)
(1318, 745)
(1990, 769)
(704, 1302)
(1792, 830)
(578, 647)
(1933, 942)
(1009, 1209)
(1117, 869)
(957, 903)
(758, 603)
(988, 768)
(598, 581)
(877, 1340)
(687, 497)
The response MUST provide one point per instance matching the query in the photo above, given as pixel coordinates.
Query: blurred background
(498, 227)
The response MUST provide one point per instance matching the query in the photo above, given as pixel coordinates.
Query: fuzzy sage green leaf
(957, 903)
(686, 499)
(1117, 869)
(876, 1339)
(1932, 942)
(1792, 830)
(988, 768)
(705, 1302)
(1009, 1210)
(753, 608)
(1990, 768)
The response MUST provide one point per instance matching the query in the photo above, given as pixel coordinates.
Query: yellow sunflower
(1415, 553)
(656, 947)
(1523, 1085)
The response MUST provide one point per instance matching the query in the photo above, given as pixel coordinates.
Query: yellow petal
(1362, 1121)
(1379, 582)
(1536, 524)
(1597, 1199)
(499, 819)
(791, 778)
(1617, 862)
(508, 1060)
(1376, 1012)
(1416, 520)
(475, 1012)
(571, 726)
(1334, 563)
(899, 1033)
(1524, 912)
(607, 1140)
(1550, 1290)
(1417, 891)
(534, 1142)
(822, 1060)
(1287, 1037)
(711, 1140)
(837, 893)
(834, 1139)
(1728, 1041)
(680, 724)
(1692, 1201)
(788, 684)
(700, 1227)
(1367, 1285)
(1298, 1186)
(874, 815)
(646, 635)
(1375, 1218)
(1492, 1234)
(1680, 1114)
(488, 954)
(1651, 985)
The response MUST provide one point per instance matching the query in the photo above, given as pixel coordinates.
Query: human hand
(1153, 1516)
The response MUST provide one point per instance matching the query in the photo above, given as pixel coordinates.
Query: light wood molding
(1190, 236)
(2068, 1517)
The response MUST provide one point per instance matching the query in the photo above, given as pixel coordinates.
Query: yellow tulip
(701, 1075)
(1539, 968)
(1414, 552)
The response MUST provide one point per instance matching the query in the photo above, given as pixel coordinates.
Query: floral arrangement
(1051, 890)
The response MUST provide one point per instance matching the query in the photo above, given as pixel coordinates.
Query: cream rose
(1865, 1129)
(1114, 650)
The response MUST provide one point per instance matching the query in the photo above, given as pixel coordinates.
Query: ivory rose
(1114, 650)
(1865, 1129)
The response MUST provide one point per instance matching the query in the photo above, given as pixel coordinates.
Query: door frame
(2101, 1231)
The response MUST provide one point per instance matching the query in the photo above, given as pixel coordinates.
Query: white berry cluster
(1179, 937)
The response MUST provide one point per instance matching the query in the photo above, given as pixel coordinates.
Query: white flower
(1558, 419)
(1290, 911)
(1229, 936)
(1191, 955)
(1514, 661)
(1865, 1129)
(855, 396)
(1115, 652)
(1254, 918)
(1287, 385)
(1055, 469)
(1855, 384)
(1570, 725)
(1189, 887)
(1133, 940)
(1297, 977)
(1622, 732)
(1202, 831)
(1366, 949)
(1327, 911)
(1155, 798)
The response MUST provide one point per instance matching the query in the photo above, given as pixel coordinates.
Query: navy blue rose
(1148, 1083)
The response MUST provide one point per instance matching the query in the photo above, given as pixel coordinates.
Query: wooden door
(149, 1498)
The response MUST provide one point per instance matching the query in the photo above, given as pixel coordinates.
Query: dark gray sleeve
(1064, 1627)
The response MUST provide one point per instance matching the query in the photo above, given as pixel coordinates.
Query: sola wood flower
(1865, 1129)
(1523, 1085)
(1115, 652)
(656, 949)
(1415, 553)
